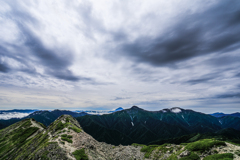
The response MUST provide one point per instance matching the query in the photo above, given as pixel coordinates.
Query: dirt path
(35, 124)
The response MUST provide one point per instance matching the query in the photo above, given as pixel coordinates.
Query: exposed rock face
(94, 149)
(52, 151)
(184, 154)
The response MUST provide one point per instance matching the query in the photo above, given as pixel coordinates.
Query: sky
(105, 54)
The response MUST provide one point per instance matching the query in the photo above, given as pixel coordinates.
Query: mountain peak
(68, 120)
(119, 109)
(135, 107)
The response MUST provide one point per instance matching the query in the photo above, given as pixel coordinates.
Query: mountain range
(136, 125)
(65, 139)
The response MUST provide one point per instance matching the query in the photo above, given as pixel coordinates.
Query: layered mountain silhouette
(45, 117)
(18, 111)
(219, 115)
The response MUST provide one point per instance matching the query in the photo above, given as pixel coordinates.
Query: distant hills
(45, 117)
(18, 111)
(219, 115)
(99, 112)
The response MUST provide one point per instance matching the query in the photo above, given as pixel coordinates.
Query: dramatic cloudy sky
(104, 54)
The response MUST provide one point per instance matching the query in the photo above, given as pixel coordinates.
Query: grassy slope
(229, 135)
(16, 141)
(195, 148)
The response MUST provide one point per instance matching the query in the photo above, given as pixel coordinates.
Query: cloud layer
(106, 54)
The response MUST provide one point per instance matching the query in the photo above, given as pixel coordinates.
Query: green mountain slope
(64, 139)
(229, 135)
(136, 125)
(230, 122)
(28, 140)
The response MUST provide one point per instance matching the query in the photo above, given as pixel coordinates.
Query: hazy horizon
(69, 109)
(101, 55)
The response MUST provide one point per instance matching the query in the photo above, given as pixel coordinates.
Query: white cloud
(10, 115)
(85, 36)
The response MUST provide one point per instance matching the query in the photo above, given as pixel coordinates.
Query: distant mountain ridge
(119, 109)
(219, 115)
(45, 117)
(100, 112)
(19, 110)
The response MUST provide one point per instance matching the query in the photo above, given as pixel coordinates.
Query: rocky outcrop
(94, 149)
(184, 154)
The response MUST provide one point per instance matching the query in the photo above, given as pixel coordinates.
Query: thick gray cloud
(3, 68)
(211, 31)
(105, 54)
(229, 95)
(238, 75)
(55, 61)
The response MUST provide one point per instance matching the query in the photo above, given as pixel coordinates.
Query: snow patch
(132, 123)
(119, 109)
(176, 110)
(220, 122)
(182, 116)
(131, 117)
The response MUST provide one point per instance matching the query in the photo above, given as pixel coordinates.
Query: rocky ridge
(93, 148)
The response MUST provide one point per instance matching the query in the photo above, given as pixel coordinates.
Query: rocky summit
(64, 139)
